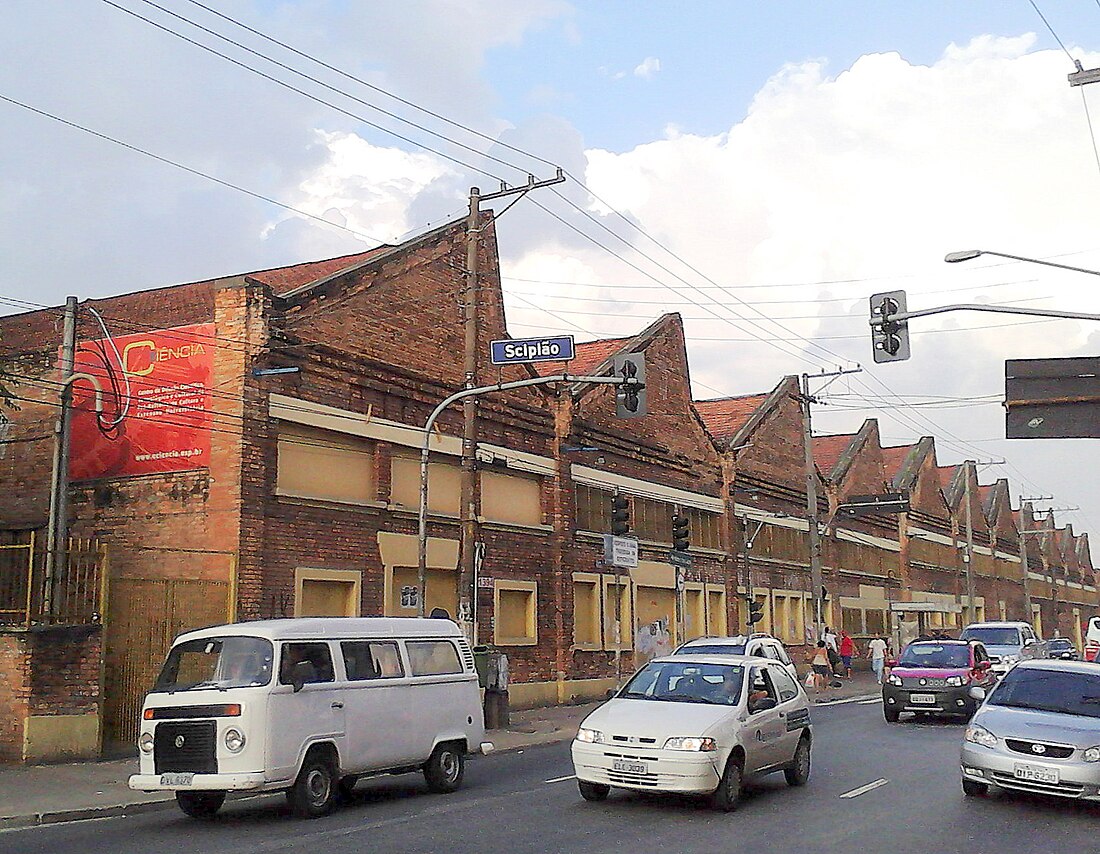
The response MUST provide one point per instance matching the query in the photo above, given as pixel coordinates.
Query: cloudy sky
(761, 168)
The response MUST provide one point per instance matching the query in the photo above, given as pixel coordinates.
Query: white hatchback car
(759, 644)
(696, 724)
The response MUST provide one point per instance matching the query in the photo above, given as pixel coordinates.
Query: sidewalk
(46, 794)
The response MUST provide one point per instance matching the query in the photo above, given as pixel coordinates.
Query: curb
(20, 822)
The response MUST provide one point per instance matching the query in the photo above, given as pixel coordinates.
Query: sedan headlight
(954, 681)
(234, 740)
(1091, 755)
(893, 680)
(980, 735)
(592, 736)
(145, 743)
(691, 743)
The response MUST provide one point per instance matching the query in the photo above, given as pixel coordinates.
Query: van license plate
(1036, 774)
(923, 699)
(177, 779)
(630, 767)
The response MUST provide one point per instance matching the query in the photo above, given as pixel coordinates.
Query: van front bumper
(199, 783)
(664, 770)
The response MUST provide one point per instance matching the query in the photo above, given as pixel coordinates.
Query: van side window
(433, 658)
(371, 660)
(316, 654)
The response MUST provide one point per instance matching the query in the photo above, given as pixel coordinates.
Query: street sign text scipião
(517, 351)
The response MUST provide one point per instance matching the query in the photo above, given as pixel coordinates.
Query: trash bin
(492, 674)
(481, 664)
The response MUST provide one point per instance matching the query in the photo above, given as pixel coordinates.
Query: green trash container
(481, 664)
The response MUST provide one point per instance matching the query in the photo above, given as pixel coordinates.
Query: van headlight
(145, 742)
(1091, 755)
(591, 736)
(954, 681)
(691, 743)
(234, 740)
(980, 735)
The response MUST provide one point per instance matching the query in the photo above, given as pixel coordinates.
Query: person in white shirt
(876, 651)
(830, 639)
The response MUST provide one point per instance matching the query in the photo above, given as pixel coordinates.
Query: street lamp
(970, 254)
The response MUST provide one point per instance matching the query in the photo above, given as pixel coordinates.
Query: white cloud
(648, 68)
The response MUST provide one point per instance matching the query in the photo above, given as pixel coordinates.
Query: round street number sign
(516, 351)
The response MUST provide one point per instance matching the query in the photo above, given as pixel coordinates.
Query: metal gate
(144, 616)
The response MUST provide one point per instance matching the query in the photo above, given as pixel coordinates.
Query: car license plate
(177, 779)
(630, 767)
(1036, 774)
(923, 699)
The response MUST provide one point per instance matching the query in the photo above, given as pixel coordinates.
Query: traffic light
(620, 516)
(756, 611)
(889, 338)
(630, 397)
(681, 533)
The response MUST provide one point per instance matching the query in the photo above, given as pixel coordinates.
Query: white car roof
(714, 658)
(999, 624)
(324, 628)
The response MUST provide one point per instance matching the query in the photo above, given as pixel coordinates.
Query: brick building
(295, 492)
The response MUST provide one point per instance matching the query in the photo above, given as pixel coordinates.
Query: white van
(307, 706)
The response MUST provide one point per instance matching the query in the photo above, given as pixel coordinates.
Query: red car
(935, 677)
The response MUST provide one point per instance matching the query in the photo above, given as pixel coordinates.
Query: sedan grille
(185, 746)
(1040, 749)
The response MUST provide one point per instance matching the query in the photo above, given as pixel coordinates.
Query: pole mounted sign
(518, 351)
(620, 551)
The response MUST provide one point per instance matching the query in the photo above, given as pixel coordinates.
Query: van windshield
(222, 663)
(993, 635)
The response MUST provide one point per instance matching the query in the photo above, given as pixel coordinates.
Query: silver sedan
(1038, 731)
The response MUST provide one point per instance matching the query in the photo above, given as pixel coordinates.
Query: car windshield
(686, 682)
(712, 649)
(935, 655)
(993, 635)
(1061, 644)
(229, 662)
(1065, 692)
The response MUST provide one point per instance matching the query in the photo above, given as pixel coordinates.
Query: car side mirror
(983, 665)
(977, 693)
(303, 672)
(762, 705)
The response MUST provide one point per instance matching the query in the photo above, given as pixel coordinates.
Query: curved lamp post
(970, 254)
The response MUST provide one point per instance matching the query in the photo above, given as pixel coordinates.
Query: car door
(764, 730)
(793, 711)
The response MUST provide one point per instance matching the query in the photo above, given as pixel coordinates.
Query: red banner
(163, 423)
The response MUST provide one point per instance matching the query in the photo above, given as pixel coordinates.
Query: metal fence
(31, 596)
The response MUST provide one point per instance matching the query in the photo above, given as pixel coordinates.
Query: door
(379, 706)
(314, 713)
(764, 730)
(441, 587)
(792, 711)
(655, 616)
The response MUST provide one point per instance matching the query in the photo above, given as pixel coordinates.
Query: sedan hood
(655, 719)
(1030, 725)
(929, 672)
(1000, 651)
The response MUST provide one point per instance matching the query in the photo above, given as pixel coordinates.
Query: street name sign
(519, 351)
(681, 560)
(620, 551)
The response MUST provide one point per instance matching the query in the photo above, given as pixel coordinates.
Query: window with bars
(706, 529)
(652, 520)
(593, 506)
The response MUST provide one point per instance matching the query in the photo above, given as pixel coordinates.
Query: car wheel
(728, 793)
(593, 791)
(974, 789)
(891, 715)
(798, 774)
(444, 769)
(314, 792)
(200, 804)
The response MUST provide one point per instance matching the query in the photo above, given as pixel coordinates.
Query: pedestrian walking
(847, 650)
(831, 650)
(821, 668)
(876, 651)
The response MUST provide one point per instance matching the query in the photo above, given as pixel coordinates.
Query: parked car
(1006, 642)
(1038, 731)
(696, 724)
(935, 677)
(759, 644)
(1062, 648)
(306, 706)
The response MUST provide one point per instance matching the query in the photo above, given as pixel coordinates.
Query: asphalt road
(518, 803)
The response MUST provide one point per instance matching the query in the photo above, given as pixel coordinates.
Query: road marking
(872, 702)
(561, 779)
(826, 702)
(862, 790)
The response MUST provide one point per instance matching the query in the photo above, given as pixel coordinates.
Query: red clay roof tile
(724, 416)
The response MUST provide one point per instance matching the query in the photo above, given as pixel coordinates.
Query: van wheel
(798, 773)
(314, 792)
(728, 793)
(593, 791)
(444, 769)
(200, 804)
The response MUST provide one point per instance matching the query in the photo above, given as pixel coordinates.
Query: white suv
(759, 644)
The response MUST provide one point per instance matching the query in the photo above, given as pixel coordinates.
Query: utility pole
(471, 312)
(816, 579)
(1023, 552)
(968, 467)
(57, 531)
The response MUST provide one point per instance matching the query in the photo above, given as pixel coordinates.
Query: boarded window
(326, 592)
(515, 609)
(706, 529)
(876, 623)
(324, 465)
(851, 620)
(433, 658)
(593, 509)
(652, 520)
(371, 660)
(586, 611)
(444, 485)
(716, 612)
(618, 617)
(695, 614)
(764, 624)
(510, 498)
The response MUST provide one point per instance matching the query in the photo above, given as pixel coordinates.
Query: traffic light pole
(425, 451)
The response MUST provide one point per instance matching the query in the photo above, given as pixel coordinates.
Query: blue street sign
(517, 351)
